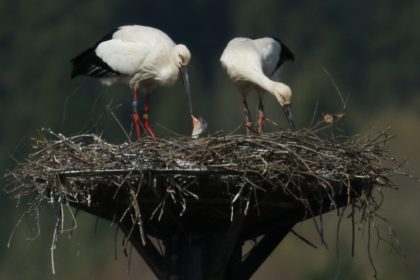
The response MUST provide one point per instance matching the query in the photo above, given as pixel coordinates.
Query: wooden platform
(204, 240)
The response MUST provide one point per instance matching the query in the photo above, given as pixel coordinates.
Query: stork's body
(140, 56)
(254, 65)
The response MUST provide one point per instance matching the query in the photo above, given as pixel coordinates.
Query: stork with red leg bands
(144, 57)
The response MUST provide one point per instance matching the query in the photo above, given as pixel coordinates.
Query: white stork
(254, 65)
(142, 57)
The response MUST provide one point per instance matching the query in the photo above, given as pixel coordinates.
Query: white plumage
(254, 65)
(140, 56)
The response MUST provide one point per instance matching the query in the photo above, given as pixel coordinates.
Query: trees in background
(370, 49)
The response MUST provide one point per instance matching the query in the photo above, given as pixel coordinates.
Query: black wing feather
(89, 64)
(285, 54)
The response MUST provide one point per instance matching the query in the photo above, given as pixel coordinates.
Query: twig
(54, 243)
(314, 114)
(337, 241)
(169, 130)
(343, 102)
(66, 100)
(109, 110)
(303, 239)
(33, 206)
(372, 264)
(130, 254)
(117, 229)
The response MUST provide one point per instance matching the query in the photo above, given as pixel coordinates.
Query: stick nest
(156, 186)
(297, 165)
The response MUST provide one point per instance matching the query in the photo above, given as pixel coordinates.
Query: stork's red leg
(146, 120)
(136, 117)
(260, 115)
(248, 120)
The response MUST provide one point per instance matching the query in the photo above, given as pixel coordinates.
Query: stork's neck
(280, 91)
(264, 82)
(168, 74)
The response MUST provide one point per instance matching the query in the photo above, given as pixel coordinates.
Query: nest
(245, 186)
(273, 178)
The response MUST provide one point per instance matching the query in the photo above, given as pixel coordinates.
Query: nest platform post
(211, 255)
(206, 257)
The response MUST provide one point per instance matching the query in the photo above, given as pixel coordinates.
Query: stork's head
(283, 93)
(182, 55)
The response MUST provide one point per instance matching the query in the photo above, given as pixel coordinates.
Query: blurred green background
(371, 48)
